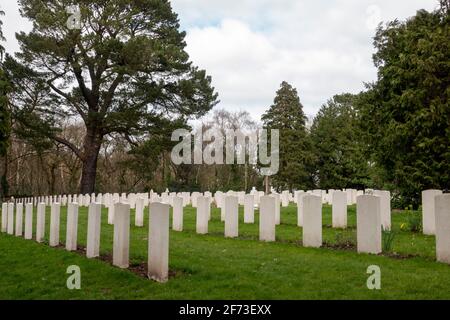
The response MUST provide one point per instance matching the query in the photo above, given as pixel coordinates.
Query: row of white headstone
(373, 214)
(309, 217)
(158, 244)
(107, 199)
(86, 200)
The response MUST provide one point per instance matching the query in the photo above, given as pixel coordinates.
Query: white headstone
(299, 200)
(177, 219)
(222, 207)
(146, 199)
(158, 244)
(241, 196)
(349, 196)
(4, 216)
(368, 224)
(111, 212)
(132, 200)
(202, 214)
(19, 219)
(94, 229)
(231, 217)
(40, 222)
(330, 196)
(312, 221)
(72, 227)
(385, 208)
(339, 209)
(443, 228)
(428, 211)
(267, 218)
(10, 218)
(98, 199)
(64, 200)
(29, 221)
(139, 212)
(121, 244)
(208, 207)
(277, 208)
(186, 198)
(249, 209)
(354, 195)
(87, 200)
(54, 224)
(285, 198)
(194, 197)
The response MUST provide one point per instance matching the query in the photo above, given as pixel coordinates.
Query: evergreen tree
(406, 113)
(124, 72)
(4, 120)
(337, 145)
(286, 115)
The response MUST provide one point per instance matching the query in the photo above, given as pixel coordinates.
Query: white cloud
(250, 46)
(12, 23)
(247, 67)
(322, 48)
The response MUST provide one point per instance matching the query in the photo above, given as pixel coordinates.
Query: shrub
(343, 240)
(413, 221)
(388, 237)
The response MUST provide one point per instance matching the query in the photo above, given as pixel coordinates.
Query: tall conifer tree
(286, 114)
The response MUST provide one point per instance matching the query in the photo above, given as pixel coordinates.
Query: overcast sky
(321, 47)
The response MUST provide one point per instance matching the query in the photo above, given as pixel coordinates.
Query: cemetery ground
(213, 267)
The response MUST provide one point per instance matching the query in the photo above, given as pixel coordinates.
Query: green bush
(413, 221)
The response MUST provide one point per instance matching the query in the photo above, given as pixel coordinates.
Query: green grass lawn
(212, 267)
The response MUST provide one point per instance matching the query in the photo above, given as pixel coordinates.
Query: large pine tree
(286, 114)
(125, 72)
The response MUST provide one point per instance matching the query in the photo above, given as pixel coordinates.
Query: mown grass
(212, 267)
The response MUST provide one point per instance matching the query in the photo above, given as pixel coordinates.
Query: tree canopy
(286, 115)
(338, 150)
(406, 113)
(125, 72)
(5, 119)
